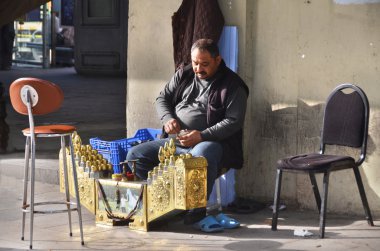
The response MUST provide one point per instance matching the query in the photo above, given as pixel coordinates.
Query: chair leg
(218, 194)
(66, 177)
(32, 177)
(75, 176)
(276, 202)
(363, 196)
(315, 190)
(26, 178)
(322, 215)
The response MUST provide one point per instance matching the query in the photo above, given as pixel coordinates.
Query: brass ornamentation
(178, 183)
(196, 189)
(180, 191)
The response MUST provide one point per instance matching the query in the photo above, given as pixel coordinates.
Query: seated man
(206, 102)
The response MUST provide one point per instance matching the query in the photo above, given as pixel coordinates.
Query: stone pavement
(51, 231)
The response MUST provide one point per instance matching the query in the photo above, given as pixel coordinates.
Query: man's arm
(234, 119)
(164, 107)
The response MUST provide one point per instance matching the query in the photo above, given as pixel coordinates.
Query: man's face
(203, 64)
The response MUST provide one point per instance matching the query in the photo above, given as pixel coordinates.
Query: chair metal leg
(218, 194)
(276, 202)
(26, 179)
(30, 157)
(363, 196)
(322, 215)
(66, 177)
(315, 190)
(75, 176)
(32, 179)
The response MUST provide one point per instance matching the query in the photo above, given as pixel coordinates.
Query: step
(47, 166)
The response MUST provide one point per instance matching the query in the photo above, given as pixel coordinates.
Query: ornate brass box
(171, 187)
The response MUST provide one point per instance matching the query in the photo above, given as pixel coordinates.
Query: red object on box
(130, 176)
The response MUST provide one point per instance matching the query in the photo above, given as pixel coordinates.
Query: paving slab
(51, 231)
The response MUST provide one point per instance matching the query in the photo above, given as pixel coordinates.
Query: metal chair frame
(322, 202)
(218, 204)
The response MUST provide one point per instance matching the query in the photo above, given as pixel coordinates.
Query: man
(203, 104)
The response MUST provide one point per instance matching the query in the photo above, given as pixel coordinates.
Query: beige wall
(301, 52)
(150, 59)
(292, 53)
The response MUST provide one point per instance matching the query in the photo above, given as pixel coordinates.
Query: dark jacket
(193, 20)
(226, 82)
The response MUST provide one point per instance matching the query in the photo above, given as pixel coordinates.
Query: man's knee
(131, 154)
(207, 148)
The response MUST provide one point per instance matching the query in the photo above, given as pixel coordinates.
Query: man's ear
(218, 59)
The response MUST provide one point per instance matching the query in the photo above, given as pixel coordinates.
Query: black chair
(345, 123)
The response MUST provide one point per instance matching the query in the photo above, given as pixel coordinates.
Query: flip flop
(227, 222)
(209, 225)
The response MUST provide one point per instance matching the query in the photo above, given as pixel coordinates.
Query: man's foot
(194, 215)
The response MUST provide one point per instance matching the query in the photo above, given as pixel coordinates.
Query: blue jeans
(147, 156)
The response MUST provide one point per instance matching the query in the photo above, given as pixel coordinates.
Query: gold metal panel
(69, 172)
(196, 188)
(191, 182)
(87, 193)
(61, 175)
(141, 217)
(160, 196)
(172, 186)
(86, 185)
(180, 184)
(129, 193)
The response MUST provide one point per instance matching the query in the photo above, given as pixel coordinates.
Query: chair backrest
(346, 119)
(46, 97)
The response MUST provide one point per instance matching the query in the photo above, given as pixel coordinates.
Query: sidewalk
(51, 231)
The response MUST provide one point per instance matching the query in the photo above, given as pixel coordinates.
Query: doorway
(45, 36)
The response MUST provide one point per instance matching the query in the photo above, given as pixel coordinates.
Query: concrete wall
(150, 59)
(292, 54)
(302, 50)
(150, 54)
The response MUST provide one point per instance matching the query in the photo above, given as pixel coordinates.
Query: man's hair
(205, 44)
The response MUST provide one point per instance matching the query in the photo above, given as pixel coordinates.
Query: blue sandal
(227, 222)
(209, 225)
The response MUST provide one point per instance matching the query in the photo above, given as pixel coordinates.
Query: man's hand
(172, 127)
(190, 139)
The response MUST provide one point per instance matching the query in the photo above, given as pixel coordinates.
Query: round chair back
(46, 97)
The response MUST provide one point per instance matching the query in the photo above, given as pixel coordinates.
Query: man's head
(205, 58)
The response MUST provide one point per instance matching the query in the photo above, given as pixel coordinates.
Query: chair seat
(315, 162)
(51, 129)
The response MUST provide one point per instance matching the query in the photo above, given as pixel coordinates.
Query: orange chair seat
(51, 129)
